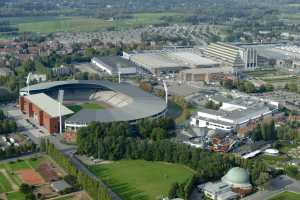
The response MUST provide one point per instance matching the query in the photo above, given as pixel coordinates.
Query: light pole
(60, 101)
(28, 83)
(166, 91)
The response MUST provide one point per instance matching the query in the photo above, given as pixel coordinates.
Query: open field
(52, 24)
(141, 180)
(286, 196)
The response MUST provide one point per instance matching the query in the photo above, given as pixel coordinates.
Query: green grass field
(50, 24)
(286, 196)
(91, 106)
(4, 184)
(15, 196)
(141, 180)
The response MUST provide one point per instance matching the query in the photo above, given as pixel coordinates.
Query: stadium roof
(143, 105)
(48, 105)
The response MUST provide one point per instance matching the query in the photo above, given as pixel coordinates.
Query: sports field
(13, 174)
(141, 180)
(286, 196)
(91, 106)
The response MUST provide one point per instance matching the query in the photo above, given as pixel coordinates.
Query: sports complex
(87, 101)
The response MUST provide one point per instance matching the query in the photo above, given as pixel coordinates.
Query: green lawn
(91, 106)
(286, 196)
(15, 196)
(141, 180)
(4, 184)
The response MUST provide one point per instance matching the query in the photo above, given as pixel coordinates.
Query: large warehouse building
(170, 61)
(123, 103)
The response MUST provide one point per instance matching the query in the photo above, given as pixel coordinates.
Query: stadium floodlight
(28, 83)
(166, 91)
(119, 74)
(60, 101)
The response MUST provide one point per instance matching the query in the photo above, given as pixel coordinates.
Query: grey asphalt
(277, 185)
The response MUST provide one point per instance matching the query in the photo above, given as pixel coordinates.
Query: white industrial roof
(155, 60)
(192, 58)
(48, 105)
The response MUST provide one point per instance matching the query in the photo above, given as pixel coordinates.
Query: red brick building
(44, 110)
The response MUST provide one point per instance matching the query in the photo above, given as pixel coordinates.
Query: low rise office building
(240, 114)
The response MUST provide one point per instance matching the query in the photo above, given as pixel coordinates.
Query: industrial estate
(149, 100)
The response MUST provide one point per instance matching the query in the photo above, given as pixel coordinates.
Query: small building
(4, 71)
(38, 77)
(205, 74)
(219, 191)
(61, 71)
(59, 186)
(271, 152)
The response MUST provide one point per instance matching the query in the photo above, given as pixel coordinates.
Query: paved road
(277, 185)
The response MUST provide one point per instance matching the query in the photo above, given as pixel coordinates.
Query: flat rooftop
(239, 115)
(48, 105)
(155, 60)
(191, 58)
(117, 62)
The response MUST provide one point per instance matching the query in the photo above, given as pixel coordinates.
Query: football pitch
(141, 180)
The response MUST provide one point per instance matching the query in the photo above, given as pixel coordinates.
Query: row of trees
(209, 166)
(265, 131)
(89, 184)
(156, 129)
(14, 151)
(182, 190)
(212, 105)
(245, 86)
(6, 125)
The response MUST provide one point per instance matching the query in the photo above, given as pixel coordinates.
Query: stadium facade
(126, 103)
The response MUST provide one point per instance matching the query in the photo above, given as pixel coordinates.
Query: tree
(263, 178)
(173, 191)
(158, 134)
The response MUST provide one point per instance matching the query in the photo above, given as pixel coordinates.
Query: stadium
(86, 101)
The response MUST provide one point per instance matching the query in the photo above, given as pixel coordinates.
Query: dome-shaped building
(239, 180)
